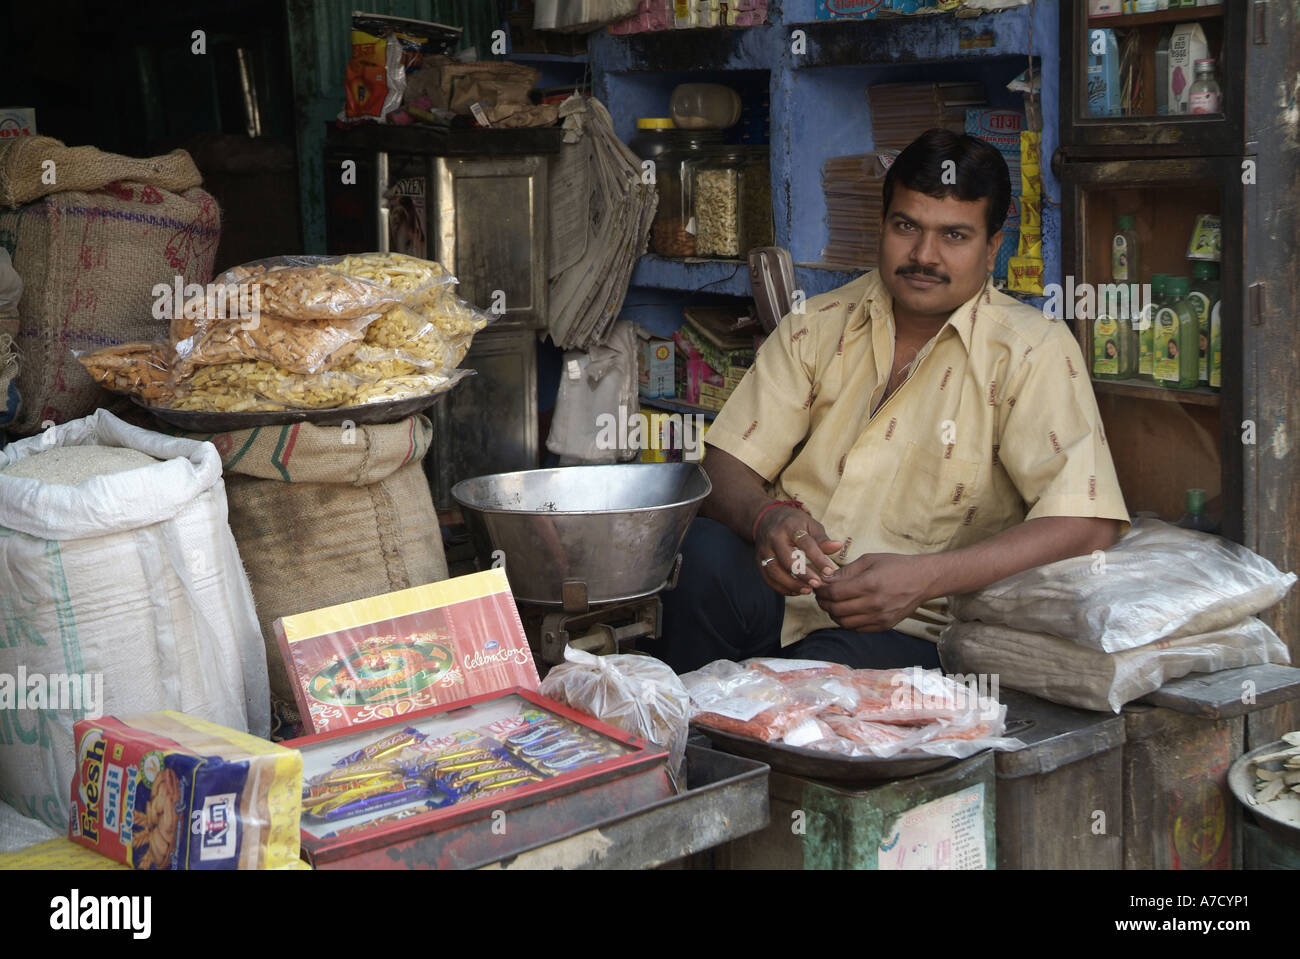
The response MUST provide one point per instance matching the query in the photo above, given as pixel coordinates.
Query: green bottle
(1148, 326)
(1112, 348)
(1216, 347)
(1175, 362)
(1125, 263)
(1204, 295)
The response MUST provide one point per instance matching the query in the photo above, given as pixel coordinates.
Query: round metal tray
(368, 414)
(815, 764)
(1281, 818)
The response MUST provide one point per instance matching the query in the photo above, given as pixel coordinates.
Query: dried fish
(1271, 791)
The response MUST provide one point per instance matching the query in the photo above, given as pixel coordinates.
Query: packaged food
(416, 647)
(850, 712)
(427, 769)
(290, 333)
(1157, 582)
(169, 791)
(636, 693)
(141, 369)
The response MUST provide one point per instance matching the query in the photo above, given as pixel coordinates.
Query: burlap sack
(89, 262)
(326, 515)
(33, 167)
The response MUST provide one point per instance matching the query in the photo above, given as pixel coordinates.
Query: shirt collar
(875, 301)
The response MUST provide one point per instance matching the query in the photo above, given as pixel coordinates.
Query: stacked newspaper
(600, 213)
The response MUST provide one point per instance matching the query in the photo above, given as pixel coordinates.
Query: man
(908, 436)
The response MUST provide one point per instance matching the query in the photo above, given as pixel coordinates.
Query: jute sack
(33, 167)
(325, 515)
(89, 260)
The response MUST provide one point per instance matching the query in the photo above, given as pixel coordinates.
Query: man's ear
(995, 244)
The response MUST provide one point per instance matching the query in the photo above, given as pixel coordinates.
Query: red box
(387, 655)
(475, 828)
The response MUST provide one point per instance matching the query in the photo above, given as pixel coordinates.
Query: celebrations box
(169, 791)
(382, 657)
(469, 783)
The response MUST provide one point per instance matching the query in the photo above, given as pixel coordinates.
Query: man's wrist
(936, 574)
(767, 508)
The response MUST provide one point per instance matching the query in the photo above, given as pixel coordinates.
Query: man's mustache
(921, 270)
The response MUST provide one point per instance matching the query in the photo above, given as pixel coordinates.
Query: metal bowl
(609, 532)
(1281, 817)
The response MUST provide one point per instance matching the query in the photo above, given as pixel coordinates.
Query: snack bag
(169, 791)
(367, 76)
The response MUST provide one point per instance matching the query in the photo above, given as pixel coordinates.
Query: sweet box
(467, 783)
(382, 657)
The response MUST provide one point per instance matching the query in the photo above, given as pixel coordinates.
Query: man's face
(935, 254)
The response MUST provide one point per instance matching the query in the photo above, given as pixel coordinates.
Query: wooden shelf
(1183, 15)
(1141, 389)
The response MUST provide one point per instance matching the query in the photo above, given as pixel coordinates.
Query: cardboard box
(658, 369)
(406, 650)
(1186, 46)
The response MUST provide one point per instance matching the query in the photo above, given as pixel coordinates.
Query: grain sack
(129, 587)
(1064, 672)
(1157, 582)
(89, 260)
(327, 515)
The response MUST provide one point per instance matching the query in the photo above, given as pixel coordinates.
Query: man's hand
(876, 591)
(798, 545)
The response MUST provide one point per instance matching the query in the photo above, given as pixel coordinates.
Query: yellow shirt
(996, 424)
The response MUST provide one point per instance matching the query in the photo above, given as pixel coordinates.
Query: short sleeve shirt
(996, 424)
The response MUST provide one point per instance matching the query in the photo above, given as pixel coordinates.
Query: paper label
(740, 708)
(806, 732)
(946, 833)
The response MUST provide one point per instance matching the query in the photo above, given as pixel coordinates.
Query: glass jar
(669, 233)
(731, 201)
(654, 136)
(1205, 95)
(704, 106)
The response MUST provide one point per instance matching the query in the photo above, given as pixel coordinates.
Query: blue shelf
(578, 58)
(817, 105)
(676, 406)
(698, 275)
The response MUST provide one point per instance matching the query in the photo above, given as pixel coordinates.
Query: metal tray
(368, 414)
(1270, 816)
(726, 798)
(814, 764)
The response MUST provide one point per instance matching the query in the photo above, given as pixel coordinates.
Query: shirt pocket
(929, 497)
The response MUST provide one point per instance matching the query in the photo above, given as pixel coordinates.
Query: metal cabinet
(488, 423)
(475, 201)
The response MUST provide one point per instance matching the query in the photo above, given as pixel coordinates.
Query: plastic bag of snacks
(859, 712)
(303, 333)
(638, 694)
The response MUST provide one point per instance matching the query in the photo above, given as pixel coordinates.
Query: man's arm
(1035, 542)
(879, 590)
(738, 497)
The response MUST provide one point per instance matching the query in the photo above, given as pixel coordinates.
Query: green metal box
(939, 820)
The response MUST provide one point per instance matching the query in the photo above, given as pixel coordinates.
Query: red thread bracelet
(776, 502)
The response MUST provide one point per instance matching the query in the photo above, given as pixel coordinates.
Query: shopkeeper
(910, 435)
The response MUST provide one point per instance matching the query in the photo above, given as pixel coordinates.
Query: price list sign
(945, 833)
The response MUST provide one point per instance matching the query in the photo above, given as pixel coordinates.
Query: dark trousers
(722, 609)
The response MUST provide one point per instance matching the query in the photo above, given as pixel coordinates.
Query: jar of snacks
(731, 201)
(670, 234)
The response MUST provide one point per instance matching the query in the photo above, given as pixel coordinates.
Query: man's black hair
(979, 172)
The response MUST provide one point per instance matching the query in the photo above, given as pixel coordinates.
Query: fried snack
(296, 346)
(238, 387)
(140, 369)
(396, 271)
(319, 292)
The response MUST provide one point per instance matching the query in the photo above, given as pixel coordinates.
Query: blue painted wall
(819, 108)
